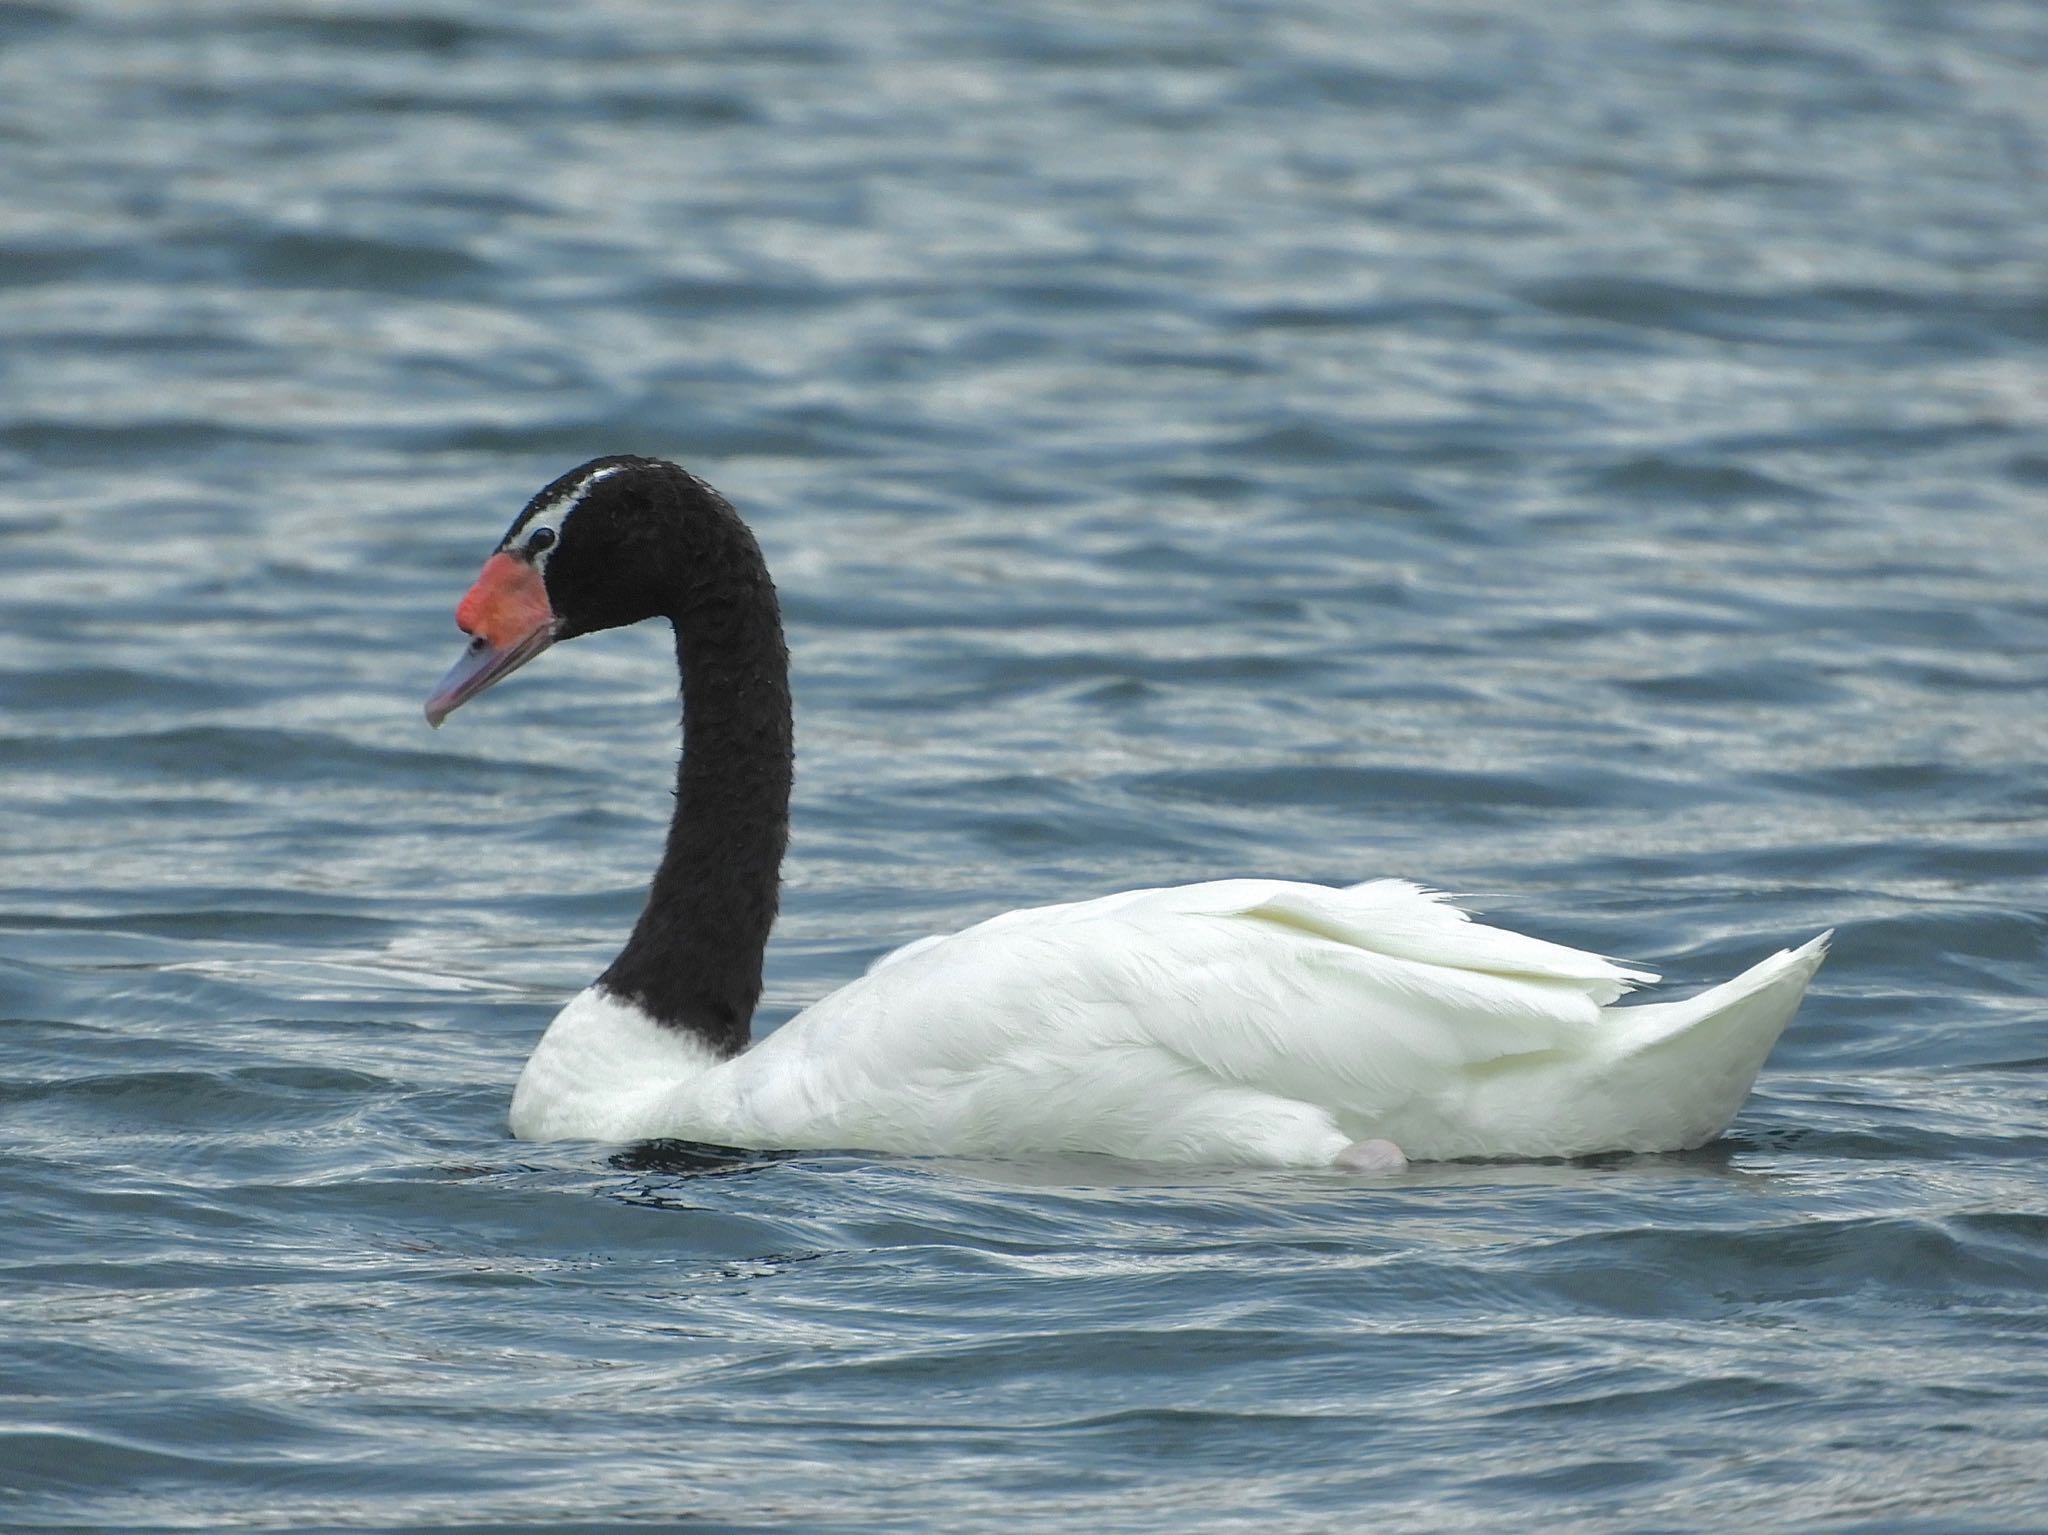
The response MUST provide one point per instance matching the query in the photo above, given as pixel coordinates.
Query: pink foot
(1371, 1157)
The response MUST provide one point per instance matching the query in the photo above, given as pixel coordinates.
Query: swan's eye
(541, 542)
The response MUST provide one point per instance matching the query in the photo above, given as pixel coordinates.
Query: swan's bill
(509, 621)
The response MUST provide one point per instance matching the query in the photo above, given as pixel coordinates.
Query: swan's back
(1261, 1021)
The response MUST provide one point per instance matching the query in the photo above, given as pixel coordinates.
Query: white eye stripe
(551, 514)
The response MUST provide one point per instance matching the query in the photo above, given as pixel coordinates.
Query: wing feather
(1366, 995)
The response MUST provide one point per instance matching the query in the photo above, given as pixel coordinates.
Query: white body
(1248, 1022)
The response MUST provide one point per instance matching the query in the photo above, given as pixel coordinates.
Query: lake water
(1592, 458)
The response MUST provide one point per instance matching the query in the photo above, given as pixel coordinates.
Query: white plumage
(1247, 1022)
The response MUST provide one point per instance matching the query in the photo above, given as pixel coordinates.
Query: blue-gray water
(1590, 457)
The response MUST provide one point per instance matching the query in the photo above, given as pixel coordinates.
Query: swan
(1246, 1022)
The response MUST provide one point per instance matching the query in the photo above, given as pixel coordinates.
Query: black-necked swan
(1254, 1022)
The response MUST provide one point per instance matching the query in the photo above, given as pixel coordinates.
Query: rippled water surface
(1591, 457)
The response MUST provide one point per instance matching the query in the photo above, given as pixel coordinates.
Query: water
(1592, 458)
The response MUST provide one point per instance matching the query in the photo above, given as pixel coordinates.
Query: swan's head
(596, 549)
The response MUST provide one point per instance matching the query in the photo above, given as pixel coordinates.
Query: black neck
(694, 960)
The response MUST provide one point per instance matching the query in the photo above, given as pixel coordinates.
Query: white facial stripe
(555, 511)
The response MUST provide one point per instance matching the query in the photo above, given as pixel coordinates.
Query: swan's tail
(1683, 1068)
